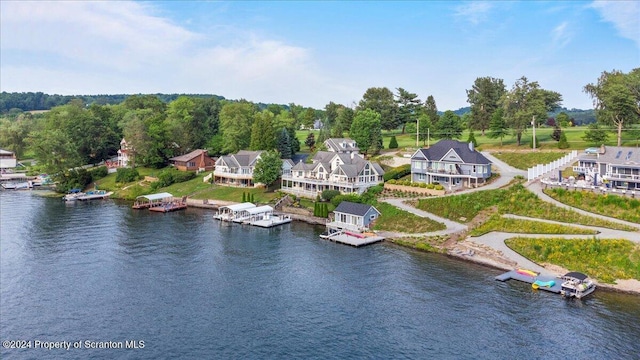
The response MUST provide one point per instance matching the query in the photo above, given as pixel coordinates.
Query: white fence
(539, 170)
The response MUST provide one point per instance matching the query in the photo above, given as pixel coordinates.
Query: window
(618, 154)
(191, 164)
(629, 155)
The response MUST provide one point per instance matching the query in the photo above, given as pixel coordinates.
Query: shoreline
(464, 250)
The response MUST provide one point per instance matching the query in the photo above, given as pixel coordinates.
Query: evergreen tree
(563, 143)
(498, 127)
(283, 144)
(311, 141)
(393, 143)
(472, 139)
(595, 134)
(244, 197)
(556, 133)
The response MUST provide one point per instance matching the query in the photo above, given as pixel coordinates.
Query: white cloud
(474, 12)
(625, 16)
(561, 35)
(122, 47)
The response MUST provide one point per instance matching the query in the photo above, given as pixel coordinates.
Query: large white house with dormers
(341, 168)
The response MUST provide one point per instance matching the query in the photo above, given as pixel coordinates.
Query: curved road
(495, 240)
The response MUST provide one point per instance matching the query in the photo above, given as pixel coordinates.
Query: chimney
(602, 149)
(471, 146)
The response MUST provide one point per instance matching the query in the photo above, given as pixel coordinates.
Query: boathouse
(353, 217)
(232, 212)
(151, 200)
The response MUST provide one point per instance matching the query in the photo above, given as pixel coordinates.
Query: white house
(342, 169)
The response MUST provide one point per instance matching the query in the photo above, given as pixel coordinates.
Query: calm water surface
(190, 287)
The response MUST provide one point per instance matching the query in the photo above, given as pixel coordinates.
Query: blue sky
(312, 53)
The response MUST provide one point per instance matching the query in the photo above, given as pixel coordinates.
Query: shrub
(330, 194)
(439, 187)
(397, 172)
(393, 143)
(125, 175)
(392, 181)
(346, 197)
(99, 172)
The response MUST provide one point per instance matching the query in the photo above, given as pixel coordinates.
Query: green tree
(268, 168)
(527, 102)
(616, 97)
(424, 127)
(13, 133)
(343, 121)
(449, 126)
(555, 135)
(366, 130)
(563, 143)
(263, 135)
(563, 120)
(54, 149)
(310, 141)
(308, 118)
(331, 113)
(393, 143)
(472, 139)
(498, 127)
(235, 124)
(595, 134)
(283, 144)
(484, 97)
(408, 105)
(381, 101)
(286, 120)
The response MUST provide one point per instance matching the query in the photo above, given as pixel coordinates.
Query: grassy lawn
(525, 160)
(394, 219)
(499, 223)
(515, 200)
(615, 206)
(226, 193)
(605, 260)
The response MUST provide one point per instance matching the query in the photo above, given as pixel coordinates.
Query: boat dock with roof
(248, 213)
(161, 202)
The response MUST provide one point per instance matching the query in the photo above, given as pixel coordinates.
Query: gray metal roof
(620, 155)
(152, 197)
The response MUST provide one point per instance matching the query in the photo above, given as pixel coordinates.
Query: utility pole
(533, 123)
(418, 132)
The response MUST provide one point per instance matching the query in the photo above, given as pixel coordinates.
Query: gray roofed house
(237, 169)
(451, 163)
(353, 216)
(619, 166)
(341, 145)
(346, 171)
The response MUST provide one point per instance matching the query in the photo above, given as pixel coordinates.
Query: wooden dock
(353, 239)
(168, 207)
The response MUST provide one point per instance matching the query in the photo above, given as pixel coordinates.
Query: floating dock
(533, 277)
(172, 206)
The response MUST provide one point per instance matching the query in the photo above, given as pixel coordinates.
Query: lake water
(190, 287)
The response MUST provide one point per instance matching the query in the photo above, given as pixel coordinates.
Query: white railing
(539, 170)
(207, 178)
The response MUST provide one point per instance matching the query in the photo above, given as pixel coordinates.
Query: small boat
(576, 284)
(73, 195)
(94, 195)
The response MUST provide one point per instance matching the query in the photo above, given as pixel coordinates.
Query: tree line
(78, 133)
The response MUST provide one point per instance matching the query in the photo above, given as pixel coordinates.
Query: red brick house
(197, 160)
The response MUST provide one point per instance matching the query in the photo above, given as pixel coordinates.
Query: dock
(271, 221)
(528, 276)
(170, 206)
(353, 238)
